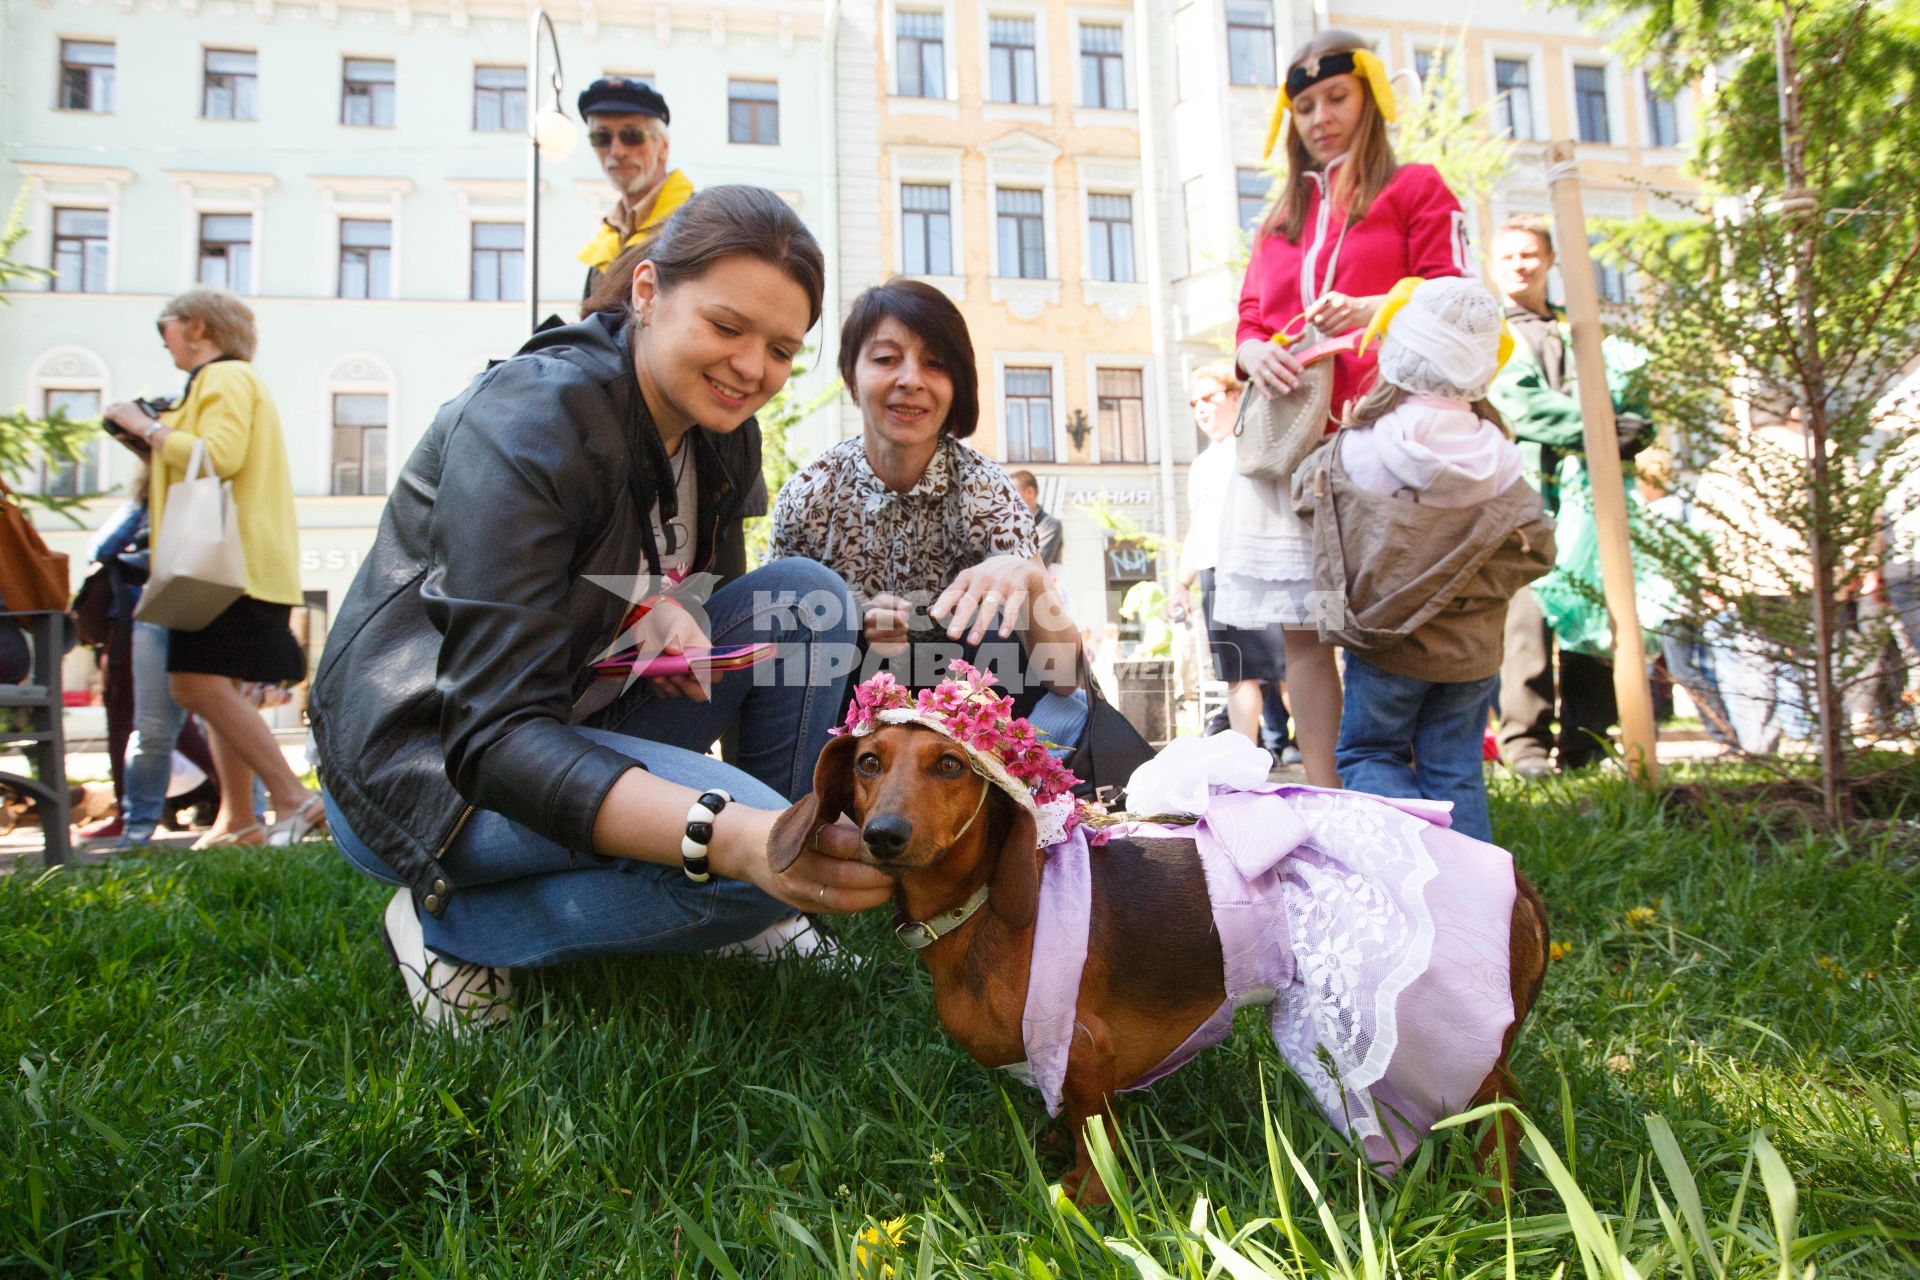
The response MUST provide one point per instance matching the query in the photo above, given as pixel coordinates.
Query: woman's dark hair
(930, 316)
(720, 222)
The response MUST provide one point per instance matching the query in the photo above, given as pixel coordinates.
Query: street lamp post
(549, 130)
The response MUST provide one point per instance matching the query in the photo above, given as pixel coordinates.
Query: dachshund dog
(927, 818)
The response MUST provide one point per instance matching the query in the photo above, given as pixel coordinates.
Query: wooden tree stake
(1630, 687)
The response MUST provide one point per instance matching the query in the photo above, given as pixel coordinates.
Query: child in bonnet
(1423, 522)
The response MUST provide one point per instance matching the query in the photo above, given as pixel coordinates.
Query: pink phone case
(680, 664)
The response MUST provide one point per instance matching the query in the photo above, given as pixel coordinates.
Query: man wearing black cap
(627, 125)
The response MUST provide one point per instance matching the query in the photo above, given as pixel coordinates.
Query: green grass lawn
(213, 1074)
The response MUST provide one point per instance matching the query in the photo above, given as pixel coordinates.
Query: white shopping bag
(199, 566)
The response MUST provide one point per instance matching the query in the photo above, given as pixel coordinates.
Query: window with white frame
(499, 262)
(86, 75)
(1254, 187)
(59, 478)
(1513, 107)
(359, 443)
(1022, 227)
(926, 229)
(753, 112)
(1012, 66)
(1663, 118)
(1590, 103)
(1250, 49)
(499, 99)
(230, 85)
(1122, 403)
(366, 92)
(80, 250)
(1103, 66)
(920, 50)
(1609, 279)
(1029, 399)
(226, 251)
(1110, 237)
(366, 258)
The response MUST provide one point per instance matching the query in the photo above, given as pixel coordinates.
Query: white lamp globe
(554, 133)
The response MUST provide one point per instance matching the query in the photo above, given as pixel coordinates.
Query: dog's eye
(950, 766)
(867, 765)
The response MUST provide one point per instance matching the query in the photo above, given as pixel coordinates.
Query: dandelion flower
(1641, 917)
(1558, 951)
(893, 1231)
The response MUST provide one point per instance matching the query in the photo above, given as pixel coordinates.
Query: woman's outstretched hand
(826, 877)
(1002, 585)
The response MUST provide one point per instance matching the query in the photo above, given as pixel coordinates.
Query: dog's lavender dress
(1377, 935)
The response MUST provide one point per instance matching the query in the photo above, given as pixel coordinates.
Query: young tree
(25, 439)
(1780, 320)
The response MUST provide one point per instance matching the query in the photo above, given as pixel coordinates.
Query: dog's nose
(887, 836)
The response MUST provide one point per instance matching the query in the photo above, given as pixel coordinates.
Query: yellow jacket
(229, 409)
(607, 245)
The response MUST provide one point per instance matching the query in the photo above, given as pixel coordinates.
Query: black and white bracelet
(693, 845)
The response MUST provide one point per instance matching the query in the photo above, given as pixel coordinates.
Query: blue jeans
(157, 721)
(524, 900)
(1416, 740)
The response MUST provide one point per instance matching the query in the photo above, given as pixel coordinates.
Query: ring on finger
(823, 895)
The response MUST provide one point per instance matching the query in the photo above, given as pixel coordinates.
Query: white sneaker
(790, 939)
(450, 993)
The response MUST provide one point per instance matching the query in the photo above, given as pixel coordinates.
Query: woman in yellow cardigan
(210, 335)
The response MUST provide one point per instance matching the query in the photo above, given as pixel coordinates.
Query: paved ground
(88, 760)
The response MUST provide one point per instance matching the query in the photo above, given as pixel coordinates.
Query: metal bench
(43, 736)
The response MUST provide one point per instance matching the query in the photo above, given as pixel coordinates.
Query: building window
(61, 479)
(753, 112)
(1012, 69)
(1029, 415)
(1250, 42)
(926, 230)
(1663, 121)
(226, 251)
(1513, 107)
(1110, 237)
(1254, 187)
(499, 99)
(1590, 103)
(1023, 234)
(1123, 415)
(359, 444)
(920, 47)
(499, 262)
(231, 85)
(366, 93)
(1609, 280)
(86, 75)
(1103, 67)
(79, 250)
(366, 258)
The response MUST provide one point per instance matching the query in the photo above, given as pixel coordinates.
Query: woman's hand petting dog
(826, 877)
(1000, 585)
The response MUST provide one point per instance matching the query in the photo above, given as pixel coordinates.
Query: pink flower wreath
(965, 706)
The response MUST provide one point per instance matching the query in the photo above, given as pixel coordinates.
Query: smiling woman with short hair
(474, 747)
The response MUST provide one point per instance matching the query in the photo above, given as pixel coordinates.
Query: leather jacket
(452, 668)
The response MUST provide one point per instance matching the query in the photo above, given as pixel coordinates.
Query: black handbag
(1109, 750)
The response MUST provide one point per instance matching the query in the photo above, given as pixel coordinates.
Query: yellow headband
(1397, 298)
(1368, 66)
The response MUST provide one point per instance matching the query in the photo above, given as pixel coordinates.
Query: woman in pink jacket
(1348, 223)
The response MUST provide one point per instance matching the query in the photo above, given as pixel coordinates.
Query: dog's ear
(832, 795)
(1015, 896)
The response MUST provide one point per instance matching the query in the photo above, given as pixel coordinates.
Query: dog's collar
(918, 935)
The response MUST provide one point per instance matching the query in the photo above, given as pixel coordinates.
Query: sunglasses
(160, 325)
(629, 137)
(1212, 397)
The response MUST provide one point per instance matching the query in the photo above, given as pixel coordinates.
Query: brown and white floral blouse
(963, 510)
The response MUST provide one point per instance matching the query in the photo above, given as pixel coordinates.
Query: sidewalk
(88, 762)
